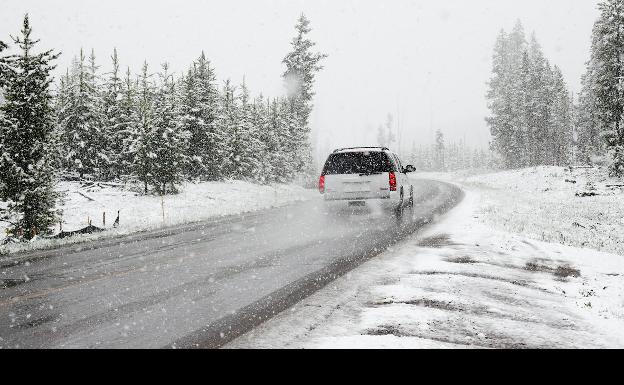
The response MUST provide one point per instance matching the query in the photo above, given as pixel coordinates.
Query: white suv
(367, 174)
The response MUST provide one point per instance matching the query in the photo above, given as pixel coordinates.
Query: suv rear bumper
(353, 199)
(346, 197)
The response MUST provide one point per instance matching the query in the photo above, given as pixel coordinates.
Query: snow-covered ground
(481, 277)
(137, 212)
(552, 204)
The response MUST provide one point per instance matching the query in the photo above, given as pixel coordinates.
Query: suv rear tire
(398, 211)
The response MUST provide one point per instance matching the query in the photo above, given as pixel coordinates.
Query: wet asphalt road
(198, 285)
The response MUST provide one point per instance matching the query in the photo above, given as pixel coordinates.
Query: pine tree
(279, 140)
(261, 123)
(166, 139)
(82, 120)
(541, 99)
(3, 67)
(5, 124)
(440, 151)
(301, 67)
(499, 100)
(143, 153)
(26, 138)
(385, 133)
(114, 129)
(271, 138)
(382, 138)
(228, 124)
(561, 138)
(605, 77)
(102, 141)
(250, 157)
(199, 106)
(590, 141)
(127, 131)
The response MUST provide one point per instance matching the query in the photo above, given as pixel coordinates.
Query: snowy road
(193, 286)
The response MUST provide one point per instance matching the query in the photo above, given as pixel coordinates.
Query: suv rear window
(358, 163)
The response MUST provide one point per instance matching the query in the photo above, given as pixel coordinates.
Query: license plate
(357, 187)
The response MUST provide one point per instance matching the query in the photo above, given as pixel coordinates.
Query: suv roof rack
(363, 148)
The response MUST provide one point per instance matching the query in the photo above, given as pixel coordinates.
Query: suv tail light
(322, 184)
(393, 182)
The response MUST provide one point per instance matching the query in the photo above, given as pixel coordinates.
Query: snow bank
(137, 212)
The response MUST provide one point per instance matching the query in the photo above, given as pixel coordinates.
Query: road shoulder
(461, 284)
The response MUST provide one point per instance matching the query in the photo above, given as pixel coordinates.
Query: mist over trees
(452, 156)
(385, 133)
(154, 128)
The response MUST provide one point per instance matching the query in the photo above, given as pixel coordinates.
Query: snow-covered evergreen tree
(249, 158)
(82, 121)
(301, 67)
(114, 130)
(278, 140)
(261, 125)
(440, 160)
(499, 100)
(199, 106)
(228, 124)
(531, 114)
(295, 143)
(540, 103)
(127, 130)
(166, 140)
(590, 141)
(604, 88)
(561, 138)
(142, 150)
(3, 67)
(26, 138)
(385, 133)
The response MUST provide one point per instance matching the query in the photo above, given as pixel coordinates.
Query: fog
(426, 62)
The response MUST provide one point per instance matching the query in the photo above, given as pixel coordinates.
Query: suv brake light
(393, 182)
(322, 184)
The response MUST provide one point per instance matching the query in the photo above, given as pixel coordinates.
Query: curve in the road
(194, 286)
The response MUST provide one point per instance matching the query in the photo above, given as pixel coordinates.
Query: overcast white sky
(424, 60)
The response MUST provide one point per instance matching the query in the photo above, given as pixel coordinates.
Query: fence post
(162, 206)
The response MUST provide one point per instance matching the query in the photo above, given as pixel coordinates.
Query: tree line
(535, 120)
(454, 156)
(601, 101)
(152, 127)
(531, 119)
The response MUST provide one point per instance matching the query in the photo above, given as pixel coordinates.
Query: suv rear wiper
(371, 173)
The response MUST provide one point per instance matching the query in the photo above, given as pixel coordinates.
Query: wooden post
(162, 206)
(103, 218)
